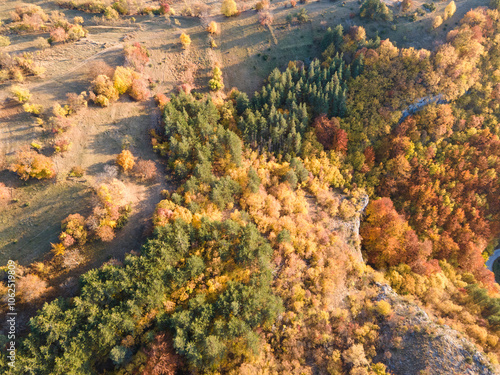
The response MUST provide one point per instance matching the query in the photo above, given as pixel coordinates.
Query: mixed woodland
(245, 270)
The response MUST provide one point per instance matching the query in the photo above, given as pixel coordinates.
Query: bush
(229, 8)
(103, 87)
(101, 100)
(58, 35)
(161, 100)
(74, 226)
(125, 160)
(450, 10)
(406, 5)
(139, 90)
(136, 56)
(265, 18)
(20, 94)
(262, 5)
(61, 145)
(41, 43)
(383, 308)
(30, 164)
(100, 67)
(76, 32)
(213, 27)
(34, 109)
(216, 84)
(121, 6)
(111, 14)
(30, 288)
(122, 79)
(76, 171)
(76, 102)
(185, 40)
(302, 16)
(438, 21)
(4, 41)
(199, 9)
(105, 233)
(145, 170)
(375, 9)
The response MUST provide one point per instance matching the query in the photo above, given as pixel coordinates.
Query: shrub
(100, 67)
(76, 171)
(78, 20)
(262, 5)
(125, 160)
(139, 90)
(164, 7)
(105, 233)
(58, 35)
(185, 40)
(136, 56)
(30, 288)
(4, 41)
(161, 100)
(76, 32)
(375, 9)
(438, 21)
(34, 109)
(216, 84)
(74, 226)
(302, 16)
(383, 308)
(145, 170)
(213, 28)
(30, 164)
(103, 87)
(61, 145)
(41, 43)
(111, 14)
(36, 145)
(121, 6)
(76, 102)
(22, 95)
(60, 124)
(229, 8)
(265, 18)
(406, 5)
(347, 210)
(101, 100)
(122, 79)
(450, 10)
(199, 9)
(495, 4)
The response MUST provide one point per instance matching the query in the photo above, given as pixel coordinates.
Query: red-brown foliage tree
(388, 239)
(162, 357)
(329, 133)
(145, 170)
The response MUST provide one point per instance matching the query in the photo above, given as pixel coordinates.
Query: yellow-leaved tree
(212, 27)
(126, 160)
(229, 8)
(185, 40)
(450, 10)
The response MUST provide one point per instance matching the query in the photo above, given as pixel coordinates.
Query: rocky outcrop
(411, 343)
